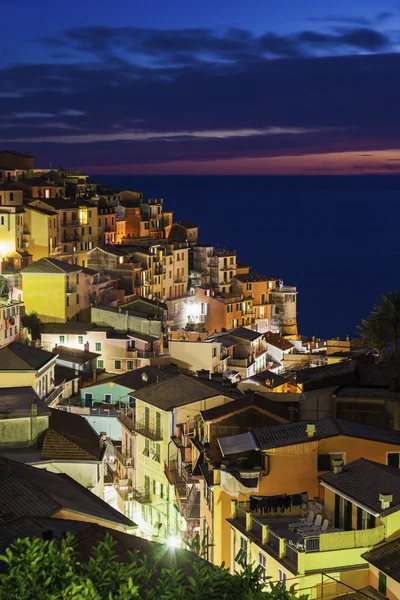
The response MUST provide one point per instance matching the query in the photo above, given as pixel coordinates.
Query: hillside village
(155, 385)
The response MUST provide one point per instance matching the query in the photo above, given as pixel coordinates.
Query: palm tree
(387, 311)
(374, 334)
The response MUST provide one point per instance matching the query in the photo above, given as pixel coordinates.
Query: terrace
(297, 551)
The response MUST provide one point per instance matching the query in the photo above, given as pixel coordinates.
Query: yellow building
(161, 464)
(322, 561)
(77, 227)
(51, 290)
(24, 366)
(41, 228)
(11, 220)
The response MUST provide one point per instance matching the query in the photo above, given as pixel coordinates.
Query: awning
(234, 444)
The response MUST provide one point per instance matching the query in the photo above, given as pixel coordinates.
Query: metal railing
(148, 430)
(273, 541)
(127, 421)
(292, 556)
(130, 494)
(241, 514)
(126, 461)
(311, 544)
(54, 394)
(256, 528)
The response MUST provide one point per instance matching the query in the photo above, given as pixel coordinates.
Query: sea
(336, 238)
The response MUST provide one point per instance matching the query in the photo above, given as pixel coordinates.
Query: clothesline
(282, 502)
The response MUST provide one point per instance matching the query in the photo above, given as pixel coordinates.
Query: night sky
(210, 86)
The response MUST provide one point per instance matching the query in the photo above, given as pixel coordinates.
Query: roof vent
(337, 464)
(385, 500)
(310, 430)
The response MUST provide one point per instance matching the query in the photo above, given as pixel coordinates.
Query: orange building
(286, 459)
(225, 310)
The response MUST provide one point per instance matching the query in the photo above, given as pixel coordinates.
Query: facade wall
(123, 321)
(9, 323)
(117, 392)
(22, 432)
(45, 294)
(195, 355)
(90, 474)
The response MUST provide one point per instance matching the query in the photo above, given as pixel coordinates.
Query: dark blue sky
(218, 86)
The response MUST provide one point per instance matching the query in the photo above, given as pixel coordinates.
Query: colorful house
(51, 290)
(287, 459)
(160, 412)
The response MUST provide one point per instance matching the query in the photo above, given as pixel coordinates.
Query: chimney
(337, 465)
(203, 374)
(310, 430)
(102, 438)
(385, 500)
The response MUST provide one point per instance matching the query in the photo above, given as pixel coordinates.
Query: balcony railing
(71, 289)
(54, 394)
(292, 556)
(72, 223)
(147, 354)
(130, 494)
(127, 421)
(126, 461)
(148, 430)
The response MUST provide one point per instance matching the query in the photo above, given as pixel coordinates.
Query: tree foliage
(54, 571)
(374, 334)
(382, 327)
(387, 312)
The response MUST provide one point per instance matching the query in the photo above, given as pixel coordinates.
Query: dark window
(337, 511)
(324, 462)
(347, 515)
(359, 517)
(107, 398)
(11, 195)
(393, 459)
(382, 584)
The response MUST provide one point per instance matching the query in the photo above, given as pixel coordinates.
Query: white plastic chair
(308, 520)
(315, 528)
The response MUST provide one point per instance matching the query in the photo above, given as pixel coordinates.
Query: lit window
(262, 565)
(80, 339)
(100, 364)
(62, 339)
(281, 576)
(98, 346)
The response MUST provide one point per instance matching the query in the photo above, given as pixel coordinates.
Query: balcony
(240, 362)
(130, 494)
(55, 250)
(182, 279)
(54, 394)
(72, 223)
(148, 430)
(297, 551)
(285, 289)
(147, 354)
(71, 288)
(126, 461)
(128, 420)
